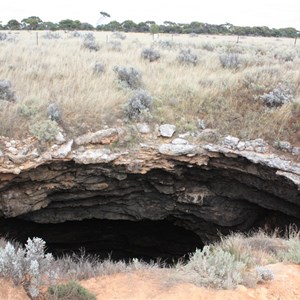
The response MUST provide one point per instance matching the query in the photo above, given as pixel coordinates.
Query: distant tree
(69, 24)
(111, 26)
(86, 26)
(129, 26)
(31, 23)
(154, 29)
(142, 27)
(50, 26)
(13, 25)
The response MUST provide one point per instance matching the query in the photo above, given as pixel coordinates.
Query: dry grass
(61, 71)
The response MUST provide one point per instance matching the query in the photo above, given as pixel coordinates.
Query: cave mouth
(118, 239)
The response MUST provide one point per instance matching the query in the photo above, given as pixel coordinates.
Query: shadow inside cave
(117, 239)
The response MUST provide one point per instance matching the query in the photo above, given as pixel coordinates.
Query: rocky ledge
(204, 188)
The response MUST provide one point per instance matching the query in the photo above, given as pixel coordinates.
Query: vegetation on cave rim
(81, 82)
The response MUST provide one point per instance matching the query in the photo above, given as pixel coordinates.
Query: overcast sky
(272, 13)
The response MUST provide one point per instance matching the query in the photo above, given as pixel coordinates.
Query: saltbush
(129, 77)
(150, 54)
(215, 268)
(30, 267)
(114, 46)
(53, 112)
(90, 43)
(45, 130)
(3, 36)
(264, 274)
(187, 57)
(99, 68)
(6, 92)
(230, 60)
(140, 102)
(278, 96)
(51, 35)
(69, 291)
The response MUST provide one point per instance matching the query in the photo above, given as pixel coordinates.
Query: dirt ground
(142, 285)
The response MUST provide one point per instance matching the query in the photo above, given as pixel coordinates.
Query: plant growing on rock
(139, 103)
(129, 77)
(45, 130)
(187, 57)
(150, 54)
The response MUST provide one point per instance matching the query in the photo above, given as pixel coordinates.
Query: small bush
(139, 103)
(129, 77)
(90, 43)
(99, 68)
(150, 54)
(3, 36)
(264, 274)
(30, 267)
(230, 60)
(292, 254)
(215, 268)
(165, 44)
(6, 92)
(45, 130)
(278, 96)
(53, 112)
(114, 46)
(70, 291)
(119, 35)
(187, 57)
(51, 35)
(27, 110)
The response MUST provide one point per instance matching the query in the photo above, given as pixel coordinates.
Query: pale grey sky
(272, 13)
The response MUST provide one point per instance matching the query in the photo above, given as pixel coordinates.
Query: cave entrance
(119, 239)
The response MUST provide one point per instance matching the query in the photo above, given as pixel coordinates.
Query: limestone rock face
(205, 188)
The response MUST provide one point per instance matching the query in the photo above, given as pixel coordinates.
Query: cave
(118, 240)
(147, 205)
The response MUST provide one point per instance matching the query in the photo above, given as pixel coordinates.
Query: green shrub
(292, 254)
(215, 268)
(44, 130)
(69, 291)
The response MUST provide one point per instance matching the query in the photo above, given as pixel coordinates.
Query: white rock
(179, 141)
(241, 146)
(167, 130)
(231, 141)
(60, 139)
(143, 128)
(13, 150)
(176, 150)
(184, 135)
(63, 150)
(105, 136)
(96, 156)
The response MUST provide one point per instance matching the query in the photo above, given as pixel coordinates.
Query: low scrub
(69, 291)
(128, 77)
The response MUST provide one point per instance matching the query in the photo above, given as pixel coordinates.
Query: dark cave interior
(118, 239)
